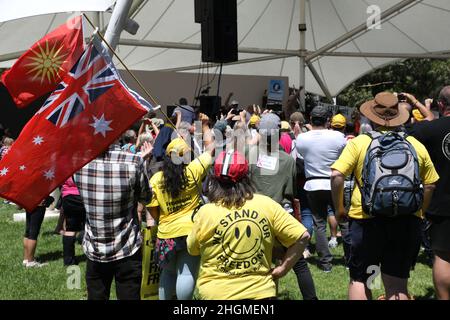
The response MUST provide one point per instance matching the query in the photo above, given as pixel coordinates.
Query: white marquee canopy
(339, 48)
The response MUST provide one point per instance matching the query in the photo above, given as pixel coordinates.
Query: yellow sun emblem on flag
(47, 62)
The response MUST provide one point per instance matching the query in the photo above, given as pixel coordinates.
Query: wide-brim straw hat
(386, 110)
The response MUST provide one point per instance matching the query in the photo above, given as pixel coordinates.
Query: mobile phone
(401, 97)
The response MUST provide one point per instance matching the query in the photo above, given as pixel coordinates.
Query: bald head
(444, 97)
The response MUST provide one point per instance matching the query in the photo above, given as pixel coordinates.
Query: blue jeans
(307, 220)
(179, 277)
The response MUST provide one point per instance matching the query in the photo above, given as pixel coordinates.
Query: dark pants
(127, 272)
(305, 280)
(319, 201)
(426, 241)
(347, 241)
(34, 222)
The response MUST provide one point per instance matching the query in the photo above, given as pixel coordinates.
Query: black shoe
(70, 261)
(326, 269)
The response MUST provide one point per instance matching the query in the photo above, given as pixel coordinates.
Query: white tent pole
(117, 22)
(433, 55)
(11, 56)
(302, 74)
(134, 7)
(210, 65)
(195, 46)
(322, 84)
(385, 15)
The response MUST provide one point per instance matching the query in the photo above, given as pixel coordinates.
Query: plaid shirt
(111, 186)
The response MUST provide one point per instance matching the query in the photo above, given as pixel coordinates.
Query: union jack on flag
(89, 78)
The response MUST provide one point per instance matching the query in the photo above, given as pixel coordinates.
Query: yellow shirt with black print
(351, 161)
(235, 246)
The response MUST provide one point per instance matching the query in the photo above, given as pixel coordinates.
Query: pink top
(286, 142)
(69, 188)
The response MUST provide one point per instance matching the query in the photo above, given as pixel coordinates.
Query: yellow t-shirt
(175, 213)
(352, 160)
(236, 248)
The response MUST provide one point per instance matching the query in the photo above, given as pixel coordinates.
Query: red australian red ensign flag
(39, 70)
(88, 111)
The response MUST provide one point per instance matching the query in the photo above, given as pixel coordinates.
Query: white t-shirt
(319, 149)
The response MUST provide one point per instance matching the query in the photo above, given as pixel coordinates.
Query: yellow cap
(179, 146)
(338, 121)
(285, 125)
(254, 119)
(418, 115)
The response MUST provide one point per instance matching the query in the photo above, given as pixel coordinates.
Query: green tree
(420, 77)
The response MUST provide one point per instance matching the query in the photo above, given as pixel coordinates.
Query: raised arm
(426, 112)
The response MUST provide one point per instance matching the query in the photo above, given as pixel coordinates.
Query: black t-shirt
(435, 136)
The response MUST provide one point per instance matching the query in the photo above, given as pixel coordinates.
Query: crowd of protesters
(236, 198)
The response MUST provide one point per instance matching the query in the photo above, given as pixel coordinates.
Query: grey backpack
(391, 183)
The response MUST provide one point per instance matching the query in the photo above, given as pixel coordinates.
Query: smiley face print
(242, 239)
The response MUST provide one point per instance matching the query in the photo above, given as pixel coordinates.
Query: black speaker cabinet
(219, 29)
(200, 10)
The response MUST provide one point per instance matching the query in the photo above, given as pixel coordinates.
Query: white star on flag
(22, 167)
(4, 171)
(49, 174)
(38, 140)
(101, 125)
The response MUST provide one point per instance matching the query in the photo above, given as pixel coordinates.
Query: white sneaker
(35, 264)
(332, 243)
(306, 254)
(24, 263)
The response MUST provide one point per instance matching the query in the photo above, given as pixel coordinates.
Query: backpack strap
(374, 134)
(402, 134)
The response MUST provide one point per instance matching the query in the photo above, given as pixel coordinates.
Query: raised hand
(146, 150)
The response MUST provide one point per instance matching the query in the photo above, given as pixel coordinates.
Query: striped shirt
(111, 186)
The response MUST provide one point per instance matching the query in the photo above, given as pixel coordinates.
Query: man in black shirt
(435, 135)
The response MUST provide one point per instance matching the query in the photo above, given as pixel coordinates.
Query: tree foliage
(421, 77)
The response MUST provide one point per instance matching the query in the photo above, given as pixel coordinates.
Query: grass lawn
(50, 282)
